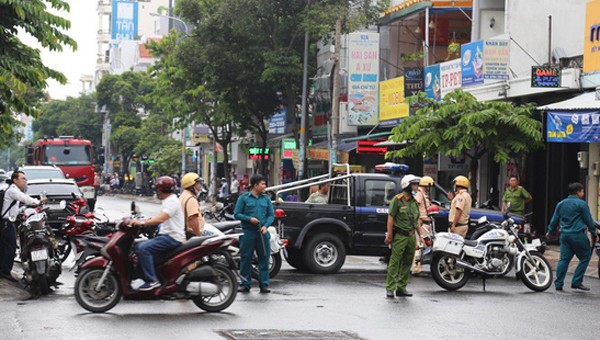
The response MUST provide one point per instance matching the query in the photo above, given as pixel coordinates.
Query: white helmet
(409, 179)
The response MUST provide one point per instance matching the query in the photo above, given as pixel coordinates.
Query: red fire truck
(74, 156)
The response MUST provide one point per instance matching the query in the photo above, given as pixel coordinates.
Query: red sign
(368, 146)
(258, 157)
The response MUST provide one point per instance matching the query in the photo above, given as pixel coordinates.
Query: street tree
(459, 125)
(168, 160)
(124, 140)
(22, 71)
(70, 117)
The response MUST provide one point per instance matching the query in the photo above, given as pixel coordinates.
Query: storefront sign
(288, 145)
(496, 58)
(433, 84)
(277, 122)
(413, 81)
(124, 25)
(573, 127)
(363, 51)
(450, 76)
(472, 63)
(391, 100)
(545, 76)
(368, 146)
(591, 39)
(258, 153)
(447, 163)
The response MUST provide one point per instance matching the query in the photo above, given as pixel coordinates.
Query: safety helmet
(461, 181)
(409, 179)
(426, 181)
(165, 184)
(188, 180)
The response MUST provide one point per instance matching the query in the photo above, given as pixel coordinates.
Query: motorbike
(455, 259)
(203, 193)
(221, 211)
(38, 255)
(187, 272)
(597, 244)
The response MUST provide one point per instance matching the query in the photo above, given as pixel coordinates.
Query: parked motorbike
(187, 272)
(38, 255)
(455, 259)
(203, 194)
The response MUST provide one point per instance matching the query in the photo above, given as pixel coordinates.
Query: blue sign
(573, 127)
(433, 86)
(124, 24)
(472, 63)
(278, 122)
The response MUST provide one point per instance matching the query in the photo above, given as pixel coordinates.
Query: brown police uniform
(462, 201)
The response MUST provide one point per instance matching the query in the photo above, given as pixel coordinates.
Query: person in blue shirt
(255, 210)
(573, 216)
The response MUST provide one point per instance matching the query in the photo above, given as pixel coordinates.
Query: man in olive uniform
(517, 196)
(402, 221)
(460, 208)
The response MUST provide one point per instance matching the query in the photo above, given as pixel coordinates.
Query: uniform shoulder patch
(399, 196)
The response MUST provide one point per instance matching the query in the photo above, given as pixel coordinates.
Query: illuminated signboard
(368, 146)
(258, 153)
(545, 76)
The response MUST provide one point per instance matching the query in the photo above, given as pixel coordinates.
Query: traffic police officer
(460, 208)
(255, 210)
(401, 224)
(424, 203)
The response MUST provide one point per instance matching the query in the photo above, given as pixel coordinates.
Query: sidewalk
(553, 254)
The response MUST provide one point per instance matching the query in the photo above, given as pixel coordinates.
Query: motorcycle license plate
(536, 242)
(39, 255)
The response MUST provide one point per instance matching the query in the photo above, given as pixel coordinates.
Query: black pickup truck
(353, 222)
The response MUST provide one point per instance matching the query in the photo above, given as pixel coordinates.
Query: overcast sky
(84, 28)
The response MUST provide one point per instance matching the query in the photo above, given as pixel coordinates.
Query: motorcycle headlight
(512, 239)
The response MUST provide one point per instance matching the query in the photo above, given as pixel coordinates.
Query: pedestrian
(235, 188)
(255, 210)
(223, 190)
(424, 228)
(573, 216)
(194, 221)
(460, 208)
(320, 197)
(401, 225)
(170, 236)
(517, 196)
(14, 194)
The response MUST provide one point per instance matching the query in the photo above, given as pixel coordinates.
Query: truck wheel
(294, 258)
(324, 254)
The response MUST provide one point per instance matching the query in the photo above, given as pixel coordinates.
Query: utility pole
(302, 163)
(335, 95)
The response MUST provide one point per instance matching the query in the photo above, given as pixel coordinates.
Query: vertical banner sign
(413, 80)
(391, 101)
(496, 59)
(432, 83)
(472, 63)
(363, 82)
(591, 38)
(124, 24)
(451, 76)
(278, 122)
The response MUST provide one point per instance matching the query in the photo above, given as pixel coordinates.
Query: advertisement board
(363, 78)
(277, 122)
(391, 100)
(124, 25)
(591, 39)
(450, 76)
(432, 83)
(413, 81)
(573, 127)
(496, 58)
(545, 76)
(471, 56)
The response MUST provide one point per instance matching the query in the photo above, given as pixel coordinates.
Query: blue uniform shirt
(249, 206)
(573, 216)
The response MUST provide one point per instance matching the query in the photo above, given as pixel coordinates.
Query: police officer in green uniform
(255, 210)
(402, 221)
(517, 196)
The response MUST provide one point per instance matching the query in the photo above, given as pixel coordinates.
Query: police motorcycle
(38, 249)
(455, 259)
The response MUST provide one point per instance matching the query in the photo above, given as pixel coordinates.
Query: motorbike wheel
(97, 301)
(536, 275)
(274, 266)
(294, 259)
(41, 284)
(227, 282)
(324, 254)
(63, 250)
(446, 274)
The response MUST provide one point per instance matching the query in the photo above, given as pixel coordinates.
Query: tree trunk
(473, 169)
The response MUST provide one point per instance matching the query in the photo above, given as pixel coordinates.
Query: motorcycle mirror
(99, 211)
(62, 204)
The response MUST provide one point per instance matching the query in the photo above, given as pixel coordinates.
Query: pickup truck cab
(353, 222)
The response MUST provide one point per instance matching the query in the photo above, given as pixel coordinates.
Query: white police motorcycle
(455, 259)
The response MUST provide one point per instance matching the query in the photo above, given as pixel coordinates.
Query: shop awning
(367, 136)
(586, 101)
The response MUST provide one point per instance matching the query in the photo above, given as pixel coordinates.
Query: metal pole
(426, 46)
(335, 94)
(302, 162)
(183, 149)
(550, 40)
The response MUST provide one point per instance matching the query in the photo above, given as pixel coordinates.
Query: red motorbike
(201, 270)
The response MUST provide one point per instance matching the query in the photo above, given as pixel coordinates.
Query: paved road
(348, 305)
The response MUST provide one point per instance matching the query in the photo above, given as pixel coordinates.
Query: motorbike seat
(227, 225)
(100, 239)
(470, 243)
(191, 243)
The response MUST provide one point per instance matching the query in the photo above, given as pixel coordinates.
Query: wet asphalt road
(348, 305)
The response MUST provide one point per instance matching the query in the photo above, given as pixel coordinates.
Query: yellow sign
(591, 40)
(391, 99)
(198, 138)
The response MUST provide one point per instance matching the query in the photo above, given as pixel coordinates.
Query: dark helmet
(165, 184)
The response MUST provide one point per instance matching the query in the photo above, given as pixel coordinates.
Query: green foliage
(13, 156)
(124, 140)
(21, 69)
(70, 117)
(168, 159)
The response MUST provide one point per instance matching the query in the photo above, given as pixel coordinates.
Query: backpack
(2, 211)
